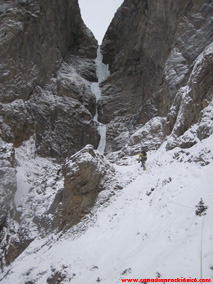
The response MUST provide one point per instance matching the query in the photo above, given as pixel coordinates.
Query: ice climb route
(102, 73)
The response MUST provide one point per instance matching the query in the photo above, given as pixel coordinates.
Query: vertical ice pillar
(102, 73)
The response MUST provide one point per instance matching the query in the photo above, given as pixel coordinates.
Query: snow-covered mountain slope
(38, 181)
(147, 229)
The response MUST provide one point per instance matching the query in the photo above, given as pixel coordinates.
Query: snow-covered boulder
(86, 174)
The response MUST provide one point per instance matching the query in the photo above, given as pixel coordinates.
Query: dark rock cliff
(46, 69)
(36, 37)
(152, 48)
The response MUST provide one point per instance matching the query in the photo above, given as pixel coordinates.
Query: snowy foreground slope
(147, 229)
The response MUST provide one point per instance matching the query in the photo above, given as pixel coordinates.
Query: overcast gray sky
(97, 15)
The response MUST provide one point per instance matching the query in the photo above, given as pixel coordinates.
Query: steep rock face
(35, 36)
(8, 186)
(154, 48)
(193, 101)
(7, 181)
(46, 65)
(46, 69)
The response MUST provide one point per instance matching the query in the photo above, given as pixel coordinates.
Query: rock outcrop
(86, 174)
(155, 49)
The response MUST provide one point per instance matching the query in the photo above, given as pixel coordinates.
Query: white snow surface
(37, 186)
(146, 229)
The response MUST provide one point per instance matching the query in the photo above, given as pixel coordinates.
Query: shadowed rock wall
(46, 55)
(35, 36)
(152, 49)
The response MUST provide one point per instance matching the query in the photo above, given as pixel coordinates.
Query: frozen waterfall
(102, 73)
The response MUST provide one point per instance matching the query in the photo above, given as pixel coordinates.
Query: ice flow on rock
(102, 73)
